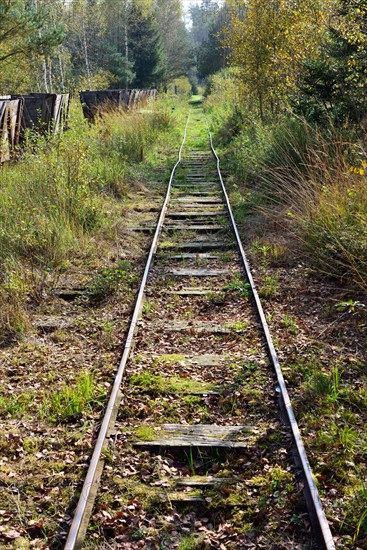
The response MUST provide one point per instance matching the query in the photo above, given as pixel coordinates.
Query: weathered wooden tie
(192, 272)
(199, 435)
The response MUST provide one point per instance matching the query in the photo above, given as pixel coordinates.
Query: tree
(269, 41)
(146, 47)
(178, 54)
(211, 54)
(203, 18)
(100, 43)
(25, 29)
(85, 40)
(334, 84)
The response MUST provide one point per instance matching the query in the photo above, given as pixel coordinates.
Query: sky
(186, 4)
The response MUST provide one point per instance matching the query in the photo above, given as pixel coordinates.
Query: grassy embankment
(65, 192)
(311, 180)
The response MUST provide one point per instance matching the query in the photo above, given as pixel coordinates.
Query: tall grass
(313, 182)
(319, 186)
(63, 190)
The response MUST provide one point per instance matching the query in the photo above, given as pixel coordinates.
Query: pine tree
(25, 29)
(146, 47)
(334, 84)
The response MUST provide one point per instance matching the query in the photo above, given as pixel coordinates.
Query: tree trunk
(85, 46)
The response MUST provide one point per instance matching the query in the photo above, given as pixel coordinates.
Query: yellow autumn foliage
(269, 40)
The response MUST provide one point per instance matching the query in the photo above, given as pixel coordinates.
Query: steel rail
(73, 540)
(316, 511)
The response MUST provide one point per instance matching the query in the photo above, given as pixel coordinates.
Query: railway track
(199, 443)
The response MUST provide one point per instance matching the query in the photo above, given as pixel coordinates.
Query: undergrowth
(307, 179)
(110, 279)
(65, 190)
(72, 399)
(299, 183)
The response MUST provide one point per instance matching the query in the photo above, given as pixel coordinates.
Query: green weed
(269, 287)
(72, 399)
(147, 307)
(16, 406)
(110, 280)
(238, 285)
(289, 323)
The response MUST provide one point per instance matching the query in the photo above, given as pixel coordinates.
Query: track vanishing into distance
(199, 447)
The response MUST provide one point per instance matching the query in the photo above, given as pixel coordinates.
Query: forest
(282, 86)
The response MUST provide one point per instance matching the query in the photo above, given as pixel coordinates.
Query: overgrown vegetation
(72, 399)
(62, 193)
(49, 45)
(290, 116)
(159, 385)
(307, 178)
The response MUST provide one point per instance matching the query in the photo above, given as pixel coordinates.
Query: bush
(312, 181)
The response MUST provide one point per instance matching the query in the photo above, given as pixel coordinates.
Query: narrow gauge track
(196, 450)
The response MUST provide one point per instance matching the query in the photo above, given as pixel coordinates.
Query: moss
(169, 359)
(193, 542)
(238, 326)
(167, 244)
(131, 489)
(145, 433)
(174, 385)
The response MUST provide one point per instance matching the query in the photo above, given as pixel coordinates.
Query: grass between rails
(65, 191)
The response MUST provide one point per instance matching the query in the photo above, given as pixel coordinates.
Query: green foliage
(14, 287)
(146, 47)
(267, 41)
(333, 85)
(211, 53)
(350, 306)
(72, 399)
(25, 29)
(131, 135)
(269, 287)
(100, 44)
(237, 284)
(314, 178)
(178, 54)
(63, 191)
(160, 385)
(108, 282)
(15, 406)
(222, 99)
